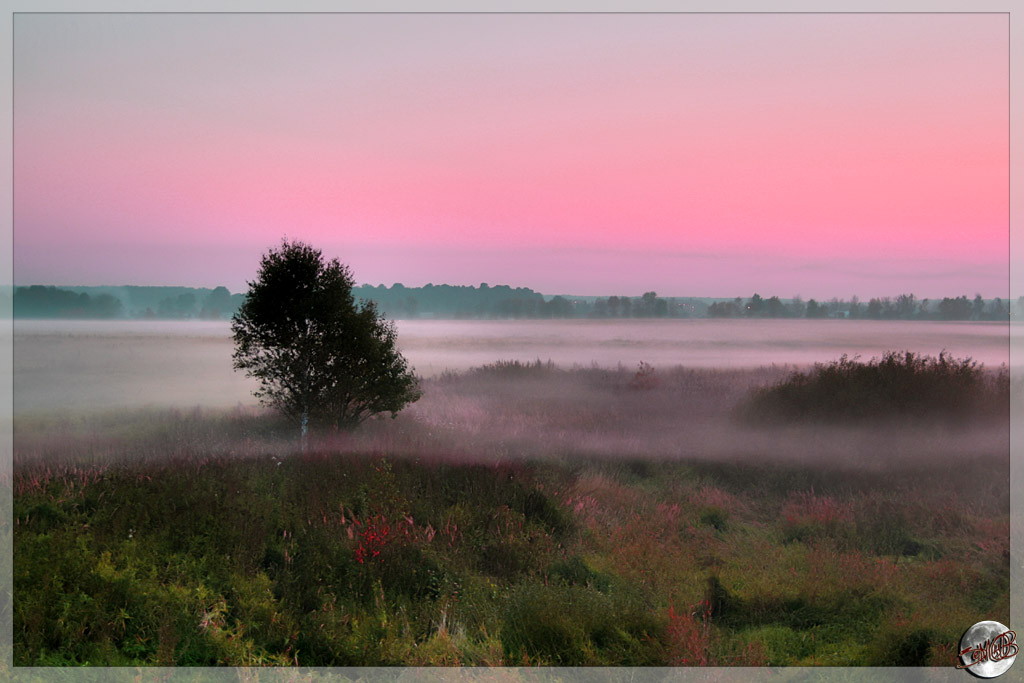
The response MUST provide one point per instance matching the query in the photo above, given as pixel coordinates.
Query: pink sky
(693, 154)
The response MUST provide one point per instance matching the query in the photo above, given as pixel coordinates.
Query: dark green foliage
(217, 304)
(317, 354)
(803, 612)
(575, 572)
(719, 600)
(535, 506)
(724, 309)
(459, 301)
(897, 386)
(407, 571)
(504, 559)
(907, 648)
(50, 302)
(714, 516)
(577, 626)
(125, 301)
(45, 514)
(506, 486)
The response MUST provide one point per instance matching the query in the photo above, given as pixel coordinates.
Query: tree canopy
(319, 356)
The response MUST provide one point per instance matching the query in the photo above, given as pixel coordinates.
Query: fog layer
(81, 365)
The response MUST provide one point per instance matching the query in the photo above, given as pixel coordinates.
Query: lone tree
(319, 356)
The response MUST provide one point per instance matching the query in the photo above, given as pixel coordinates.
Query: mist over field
(94, 365)
(578, 397)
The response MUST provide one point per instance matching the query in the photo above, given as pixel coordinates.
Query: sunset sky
(692, 154)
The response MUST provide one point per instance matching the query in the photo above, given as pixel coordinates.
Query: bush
(901, 384)
(510, 369)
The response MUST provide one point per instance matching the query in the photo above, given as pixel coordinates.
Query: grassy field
(517, 515)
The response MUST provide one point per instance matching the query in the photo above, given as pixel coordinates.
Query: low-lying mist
(536, 410)
(541, 410)
(70, 366)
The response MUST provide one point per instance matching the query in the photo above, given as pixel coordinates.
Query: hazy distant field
(72, 365)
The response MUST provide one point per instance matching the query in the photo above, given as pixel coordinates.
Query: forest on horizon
(495, 302)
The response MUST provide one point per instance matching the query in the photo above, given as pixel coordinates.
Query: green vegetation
(49, 302)
(208, 538)
(318, 355)
(499, 301)
(899, 385)
(170, 303)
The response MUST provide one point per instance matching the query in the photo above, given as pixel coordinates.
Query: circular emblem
(987, 649)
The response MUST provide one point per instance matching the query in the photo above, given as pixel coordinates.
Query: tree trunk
(305, 423)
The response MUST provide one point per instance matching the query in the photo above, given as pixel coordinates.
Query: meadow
(521, 514)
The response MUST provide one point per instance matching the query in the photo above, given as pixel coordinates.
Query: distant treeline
(456, 301)
(504, 302)
(903, 307)
(501, 301)
(174, 303)
(49, 302)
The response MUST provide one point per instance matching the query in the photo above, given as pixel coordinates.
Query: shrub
(507, 369)
(901, 384)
